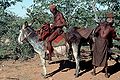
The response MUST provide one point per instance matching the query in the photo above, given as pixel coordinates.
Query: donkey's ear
(23, 26)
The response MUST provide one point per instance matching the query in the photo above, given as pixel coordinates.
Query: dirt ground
(60, 70)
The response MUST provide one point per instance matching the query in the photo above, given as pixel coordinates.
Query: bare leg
(50, 49)
(94, 71)
(52, 37)
(107, 75)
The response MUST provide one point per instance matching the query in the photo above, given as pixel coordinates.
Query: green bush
(9, 47)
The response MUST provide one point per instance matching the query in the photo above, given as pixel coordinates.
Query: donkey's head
(24, 32)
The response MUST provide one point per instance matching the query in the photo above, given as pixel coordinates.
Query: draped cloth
(85, 32)
(100, 53)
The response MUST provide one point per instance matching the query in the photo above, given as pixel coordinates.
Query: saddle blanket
(85, 32)
(58, 41)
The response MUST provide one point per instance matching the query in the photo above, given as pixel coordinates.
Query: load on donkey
(44, 32)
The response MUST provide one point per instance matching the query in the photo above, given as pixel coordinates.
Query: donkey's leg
(43, 62)
(44, 73)
(77, 58)
(67, 50)
(69, 53)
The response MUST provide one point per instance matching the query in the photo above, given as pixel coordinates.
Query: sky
(20, 8)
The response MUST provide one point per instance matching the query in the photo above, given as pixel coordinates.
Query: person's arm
(97, 29)
(63, 22)
(116, 38)
(114, 35)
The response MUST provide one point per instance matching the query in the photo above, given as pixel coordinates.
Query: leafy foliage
(9, 31)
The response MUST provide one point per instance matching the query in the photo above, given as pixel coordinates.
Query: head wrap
(110, 15)
(52, 6)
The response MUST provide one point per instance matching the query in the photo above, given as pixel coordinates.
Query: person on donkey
(56, 28)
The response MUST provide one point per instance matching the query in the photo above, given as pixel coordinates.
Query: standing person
(104, 34)
(56, 28)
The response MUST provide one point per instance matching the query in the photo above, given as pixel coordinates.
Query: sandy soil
(61, 70)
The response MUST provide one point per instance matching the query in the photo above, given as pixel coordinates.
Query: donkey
(74, 38)
(29, 34)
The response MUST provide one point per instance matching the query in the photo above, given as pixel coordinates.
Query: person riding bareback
(56, 28)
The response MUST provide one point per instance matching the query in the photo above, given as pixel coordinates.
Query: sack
(45, 31)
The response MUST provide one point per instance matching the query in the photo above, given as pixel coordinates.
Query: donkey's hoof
(50, 62)
(76, 75)
(107, 75)
(46, 58)
(44, 76)
(93, 73)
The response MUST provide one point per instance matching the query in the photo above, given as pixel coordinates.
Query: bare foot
(93, 73)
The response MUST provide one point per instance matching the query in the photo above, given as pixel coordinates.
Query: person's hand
(116, 38)
(119, 39)
(52, 26)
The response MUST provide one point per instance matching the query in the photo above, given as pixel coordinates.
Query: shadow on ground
(65, 65)
(114, 68)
